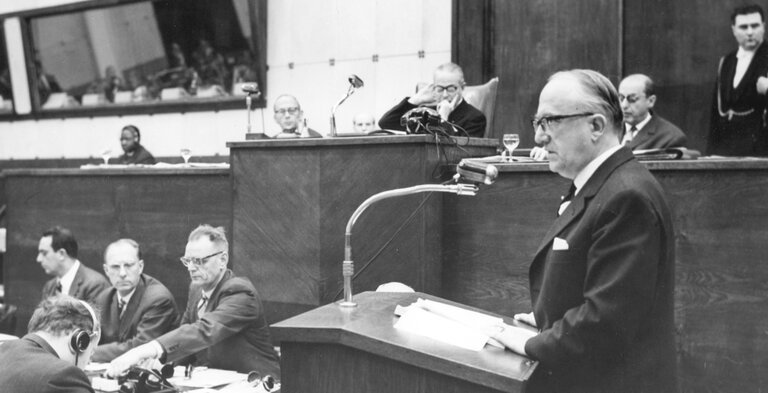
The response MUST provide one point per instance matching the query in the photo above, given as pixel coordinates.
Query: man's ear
(651, 101)
(598, 124)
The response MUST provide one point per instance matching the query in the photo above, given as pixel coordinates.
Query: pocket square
(559, 244)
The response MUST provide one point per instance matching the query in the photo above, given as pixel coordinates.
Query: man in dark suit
(137, 309)
(602, 280)
(738, 126)
(63, 332)
(223, 326)
(644, 129)
(444, 94)
(133, 151)
(57, 254)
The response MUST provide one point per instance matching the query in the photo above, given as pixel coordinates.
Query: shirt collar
(743, 53)
(581, 179)
(639, 126)
(69, 277)
(126, 298)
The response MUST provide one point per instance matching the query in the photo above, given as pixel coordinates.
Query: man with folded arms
(223, 325)
(445, 95)
(137, 309)
(57, 254)
(602, 279)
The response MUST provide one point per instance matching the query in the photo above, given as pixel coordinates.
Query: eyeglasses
(197, 261)
(282, 111)
(546, 122)
(126, 266)
(630, 98)
(450, 89)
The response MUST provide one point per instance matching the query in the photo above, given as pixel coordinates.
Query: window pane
(149, 52)
(6, 88)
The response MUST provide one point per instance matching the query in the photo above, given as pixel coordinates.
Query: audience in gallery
(52, 357)
(137, 309)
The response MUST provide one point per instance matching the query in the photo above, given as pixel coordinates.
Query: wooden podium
(335, 349)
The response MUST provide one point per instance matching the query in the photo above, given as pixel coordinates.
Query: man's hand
(527, 319)
(425, 96)
(514, 338)
(539, 153)
(122, 363)
(444, 108)
(762, 85)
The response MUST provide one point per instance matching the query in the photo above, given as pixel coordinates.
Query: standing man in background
(738, 124)
(57, 254)
(137, 309)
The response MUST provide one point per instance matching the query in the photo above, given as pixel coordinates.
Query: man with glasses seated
(444, 95)
(63, 333)
(223, 325)
(290, 118)
(644, 129)
(137, 309)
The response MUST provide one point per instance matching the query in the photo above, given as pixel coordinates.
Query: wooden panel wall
(676, 42)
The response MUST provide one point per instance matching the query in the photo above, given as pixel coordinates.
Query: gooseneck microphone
(354, 83)
(251, 90)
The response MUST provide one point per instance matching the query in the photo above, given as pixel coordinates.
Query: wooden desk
(335, 349)
(720, 217)
(292, 199)
(156, 207)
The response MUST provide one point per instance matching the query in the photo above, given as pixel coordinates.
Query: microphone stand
(348, 267)
(333, 110)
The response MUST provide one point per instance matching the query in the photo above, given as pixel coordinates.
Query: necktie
(120, 306)
(567, 199)
(201, 305)
(629, 135)
(57, 290)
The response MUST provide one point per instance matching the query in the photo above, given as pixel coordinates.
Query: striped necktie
(201, 306)
(121, 303)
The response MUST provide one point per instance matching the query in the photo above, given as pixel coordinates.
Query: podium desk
(338, 349)
(292, 199)
(156, 207)
(720, 217)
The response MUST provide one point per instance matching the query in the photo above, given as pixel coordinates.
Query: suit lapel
(132, 306)
(727, 92)
(743, 87)
(645, 133)
(79, 278)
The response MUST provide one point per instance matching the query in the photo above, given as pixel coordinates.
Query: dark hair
(135, 130)
(60, 315)
(62, 238)
(746, 10)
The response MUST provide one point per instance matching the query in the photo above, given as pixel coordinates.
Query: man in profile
(363, 122)
(133, 151)
(737, 126)
(290, 118)
(644, 129)
(57, 254)
(137, 309)
(223, 326)
(445, 95)
(63, 333)
(602, 280)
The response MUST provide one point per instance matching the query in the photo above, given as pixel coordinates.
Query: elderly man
(363, 122)
(602, 280)
(133, 151)
(737, 125)
(57, 254)
(223, 326)
(63, 332)
(644, 129)
(290, 118)
(137, 309)
(444, 94)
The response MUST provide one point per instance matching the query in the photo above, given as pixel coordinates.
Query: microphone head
(355, 81)
(251, 88)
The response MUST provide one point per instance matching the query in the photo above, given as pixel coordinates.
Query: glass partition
(6, 87)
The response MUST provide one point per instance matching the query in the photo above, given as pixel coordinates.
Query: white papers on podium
(449, 324)
(203, 377)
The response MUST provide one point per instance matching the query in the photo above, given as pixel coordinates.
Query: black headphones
(141, 380)
(81, 338)
(134, 130)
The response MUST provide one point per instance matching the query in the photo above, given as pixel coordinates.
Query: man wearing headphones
(63, 333)
(134, 152)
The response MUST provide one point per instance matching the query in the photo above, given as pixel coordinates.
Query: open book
(669, 153)
(450, 324)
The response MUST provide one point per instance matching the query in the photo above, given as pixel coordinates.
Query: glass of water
(510, 141)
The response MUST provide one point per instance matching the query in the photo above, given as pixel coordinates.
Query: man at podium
(602, 280)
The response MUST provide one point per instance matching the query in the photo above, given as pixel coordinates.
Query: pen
(188, 371)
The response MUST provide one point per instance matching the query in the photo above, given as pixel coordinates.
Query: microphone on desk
(354, 83)
(251, 88)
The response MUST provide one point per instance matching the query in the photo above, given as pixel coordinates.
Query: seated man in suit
(137, 309)
(223, 326)
(444, 94)
(290, 118)
(134, 152)
(63, 333)
(57, 254)
(644, 129)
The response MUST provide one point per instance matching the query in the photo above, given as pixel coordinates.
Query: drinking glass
(105, 155)
(510, 142)
(186, 154)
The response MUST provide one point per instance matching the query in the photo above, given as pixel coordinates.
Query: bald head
(363, 122)
(637, 98)
(288, 112)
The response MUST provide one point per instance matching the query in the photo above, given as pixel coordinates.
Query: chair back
(483, 97)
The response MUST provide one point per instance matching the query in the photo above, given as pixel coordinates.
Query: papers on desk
(203, 377)
(160, 165)
(449, 324)
(104, 385)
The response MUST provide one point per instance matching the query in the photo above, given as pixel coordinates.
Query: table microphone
(251, 88)
(354, 83)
